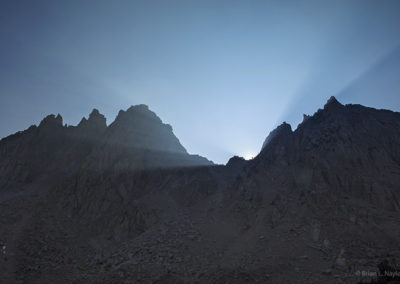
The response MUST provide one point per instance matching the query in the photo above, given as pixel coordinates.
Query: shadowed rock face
(141, 128)
(276, 135)
(137, 139)
(126, 203)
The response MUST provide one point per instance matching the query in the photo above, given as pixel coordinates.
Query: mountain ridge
(317, 204)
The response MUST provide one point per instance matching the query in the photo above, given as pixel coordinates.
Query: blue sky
(222, 73)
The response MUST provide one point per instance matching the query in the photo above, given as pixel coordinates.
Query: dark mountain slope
(316, 205)
(349, 149)
(332, 185)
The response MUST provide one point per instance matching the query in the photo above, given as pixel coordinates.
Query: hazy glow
(250, 155)
(222, 73)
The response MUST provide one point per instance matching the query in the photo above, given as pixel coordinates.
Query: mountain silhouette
(126, 203)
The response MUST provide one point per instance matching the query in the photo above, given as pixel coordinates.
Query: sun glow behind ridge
(249, 155)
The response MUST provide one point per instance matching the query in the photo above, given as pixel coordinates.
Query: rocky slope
(125, 203)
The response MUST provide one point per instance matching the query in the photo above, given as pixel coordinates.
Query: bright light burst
(249, 155)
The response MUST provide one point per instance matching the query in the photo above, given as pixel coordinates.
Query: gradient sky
(222, 73)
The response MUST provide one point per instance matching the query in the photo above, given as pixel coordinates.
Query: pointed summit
(139, 127)
(95, 113)
(332, 102)
(96, 120)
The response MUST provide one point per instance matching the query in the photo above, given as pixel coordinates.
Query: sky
(222, 73)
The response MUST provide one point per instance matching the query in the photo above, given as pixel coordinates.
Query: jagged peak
(286, 126)
(332, 102)
(95, 112)
(95, 118)
(52, 121)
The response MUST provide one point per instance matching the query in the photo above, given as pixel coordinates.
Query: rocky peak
(332, 103)
(95, 114)
(139, 127)
(282, 130)
(136, 113)
(96, 120)
(51, 121)
(305, 117)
